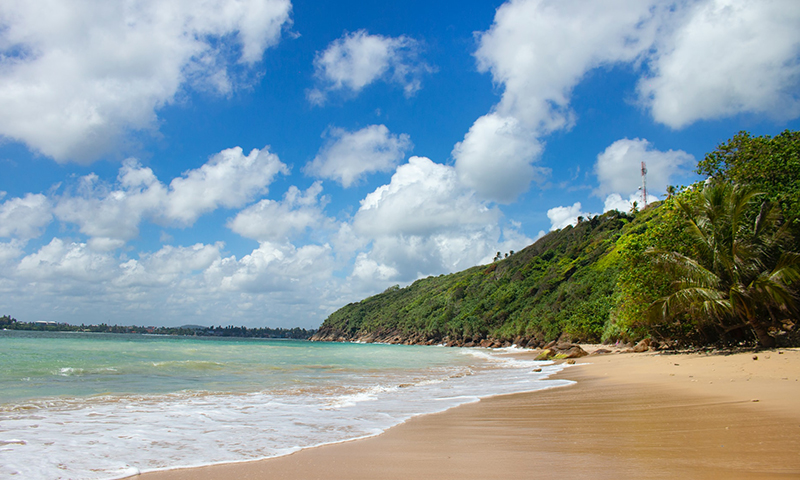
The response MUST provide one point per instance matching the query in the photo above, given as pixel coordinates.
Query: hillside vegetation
(606, 279)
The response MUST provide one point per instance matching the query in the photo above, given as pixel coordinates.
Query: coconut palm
(739, 274)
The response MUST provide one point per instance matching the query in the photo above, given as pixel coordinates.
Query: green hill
(698, 268)
(561, 286)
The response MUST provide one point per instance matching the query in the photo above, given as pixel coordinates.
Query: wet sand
(628, 415)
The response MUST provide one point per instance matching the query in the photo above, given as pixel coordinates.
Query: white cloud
(538, 51)
(59, 262)
(111, 214)
(426, 222)
(273, 267)
(9, 251)
(615, 202)
(422, 198)
(618, 168)
(560, 217)
(229, 179)
(25, 217)
(727, 57)
(167, 265)
(358, 59)
(368, 270)
(495, 158)
(706, 59)
(269, 220)
(349, 156)
(77, 76)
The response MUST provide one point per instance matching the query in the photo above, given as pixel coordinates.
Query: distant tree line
(9, 323)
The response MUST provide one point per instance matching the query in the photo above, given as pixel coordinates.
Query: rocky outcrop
(397, 337)
(556, 351)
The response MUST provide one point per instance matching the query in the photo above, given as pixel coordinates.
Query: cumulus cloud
(25, 217)
(229, 179)
(9, 251)
(538, 50)
(269, 220)
(615, 202)
(349, 156)
(560, 217)
(426, 222)
(618, 168)
(68, 281)
(421, 198)
(62, 261)
(272, 267)
(111, 214)
(704, 59)
(495, 159)
(726, 57)
(166, 265)
(77, 76)
(358, 59)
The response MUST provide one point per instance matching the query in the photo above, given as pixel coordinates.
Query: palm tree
(739, 274)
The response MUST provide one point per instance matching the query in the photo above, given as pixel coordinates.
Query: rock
(642, 346)
(574, 352)
(537, 370)
(600, 351)
(563, 346)
(570, 362)
(532, 343)
(545, 354)
(550, 345)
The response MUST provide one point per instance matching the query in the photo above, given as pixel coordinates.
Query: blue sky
(264, 162)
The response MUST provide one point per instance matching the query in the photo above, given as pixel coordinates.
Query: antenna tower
(644, 185)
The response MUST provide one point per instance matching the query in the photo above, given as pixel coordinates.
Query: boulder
(545, 354)
(642, 346)
(600, 351)
(574, 352)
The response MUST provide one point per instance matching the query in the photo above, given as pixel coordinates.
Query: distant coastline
(9, 323)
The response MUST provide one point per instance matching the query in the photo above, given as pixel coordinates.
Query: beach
(643, 415)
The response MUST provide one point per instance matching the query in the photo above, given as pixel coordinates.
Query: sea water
(103, 406)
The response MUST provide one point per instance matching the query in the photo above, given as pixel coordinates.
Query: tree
(740, 272)
(768, 164)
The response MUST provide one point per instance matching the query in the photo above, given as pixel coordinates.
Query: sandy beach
(628, 415)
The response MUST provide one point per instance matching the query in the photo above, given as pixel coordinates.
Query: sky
(265, 162)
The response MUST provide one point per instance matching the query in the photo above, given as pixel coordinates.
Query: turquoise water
(102, 406)
(41, 364)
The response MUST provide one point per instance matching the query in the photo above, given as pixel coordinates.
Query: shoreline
(645, 415)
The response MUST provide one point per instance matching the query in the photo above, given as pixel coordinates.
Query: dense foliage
(766, 164)
(740, 270)
(603, 278)
(561, 285)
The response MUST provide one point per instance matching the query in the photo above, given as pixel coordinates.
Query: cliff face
(561, 287)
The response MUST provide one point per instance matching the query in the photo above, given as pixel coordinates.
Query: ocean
(106, 406)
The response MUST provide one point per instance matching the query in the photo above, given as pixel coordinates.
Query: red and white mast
(644, 185)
